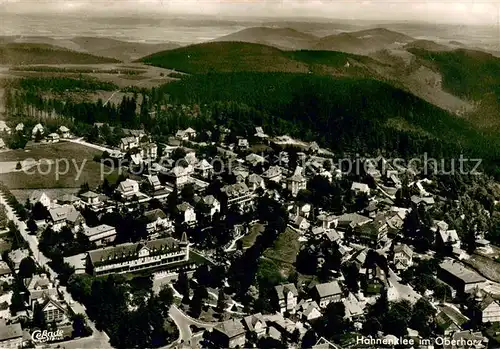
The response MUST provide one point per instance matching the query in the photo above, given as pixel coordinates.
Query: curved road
(183, 323)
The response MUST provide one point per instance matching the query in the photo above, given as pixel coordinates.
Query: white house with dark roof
(101, 234)
(403, 257)
(4, 128)
(53, 310)
(179, 175)
(149, 151)
(127, 143)
(91, 198)
(128, 188)
(259, 133)
(255, 323)
(360, 188)
(287, 297)
(490, 310)
(155, 183)
(66, 215)
(300, 223)
(297, 181)
(243, 143)
(185, 135)
(204, 169)
(327, 293)
(64, 132)
(39, 287)
(19, 127)
(41, 197)
(273, 173)
(308, 310)
(239, 194)
(157, 220)
(53, 137)
(255, 181)
(229, 334)
(38, 129)
(187, 213)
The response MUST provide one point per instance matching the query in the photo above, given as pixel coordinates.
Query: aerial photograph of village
(249, 174)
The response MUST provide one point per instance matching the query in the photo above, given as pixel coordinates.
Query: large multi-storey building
(166, 253)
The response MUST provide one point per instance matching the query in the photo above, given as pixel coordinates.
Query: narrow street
(90, 145)
(400, 291)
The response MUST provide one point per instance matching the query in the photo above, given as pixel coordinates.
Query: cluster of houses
(253, 175)
(44, 297)
(38, 132)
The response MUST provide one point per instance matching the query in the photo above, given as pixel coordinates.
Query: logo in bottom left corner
(45, 336)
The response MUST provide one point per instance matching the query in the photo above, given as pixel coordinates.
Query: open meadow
(48, 167)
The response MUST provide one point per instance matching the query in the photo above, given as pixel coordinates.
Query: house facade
(64, 132)
(255, 323)
(41, 197)
(39, 287)
(287, 297)
(490, 310)
(240, 195)
(166, 253)
(229, 334)
(66, 215)
(296, 183)
(187, 213)
(403, 257)
(101, 234)
(157, 220)
(179, 176)
(327, 293)
(128, 188)
(128, 143)
(91, 198)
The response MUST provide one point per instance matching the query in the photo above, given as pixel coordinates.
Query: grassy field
(249, 239)
(44, 176)
(284, 251)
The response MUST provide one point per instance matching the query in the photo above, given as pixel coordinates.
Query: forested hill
(241, 56)
(343, 113)
(22, 53)
(466, 73)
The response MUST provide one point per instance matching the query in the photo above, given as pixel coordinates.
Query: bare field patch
(486, 266)
(79, 168)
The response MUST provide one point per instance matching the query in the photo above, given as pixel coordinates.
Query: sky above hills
(444, 11)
